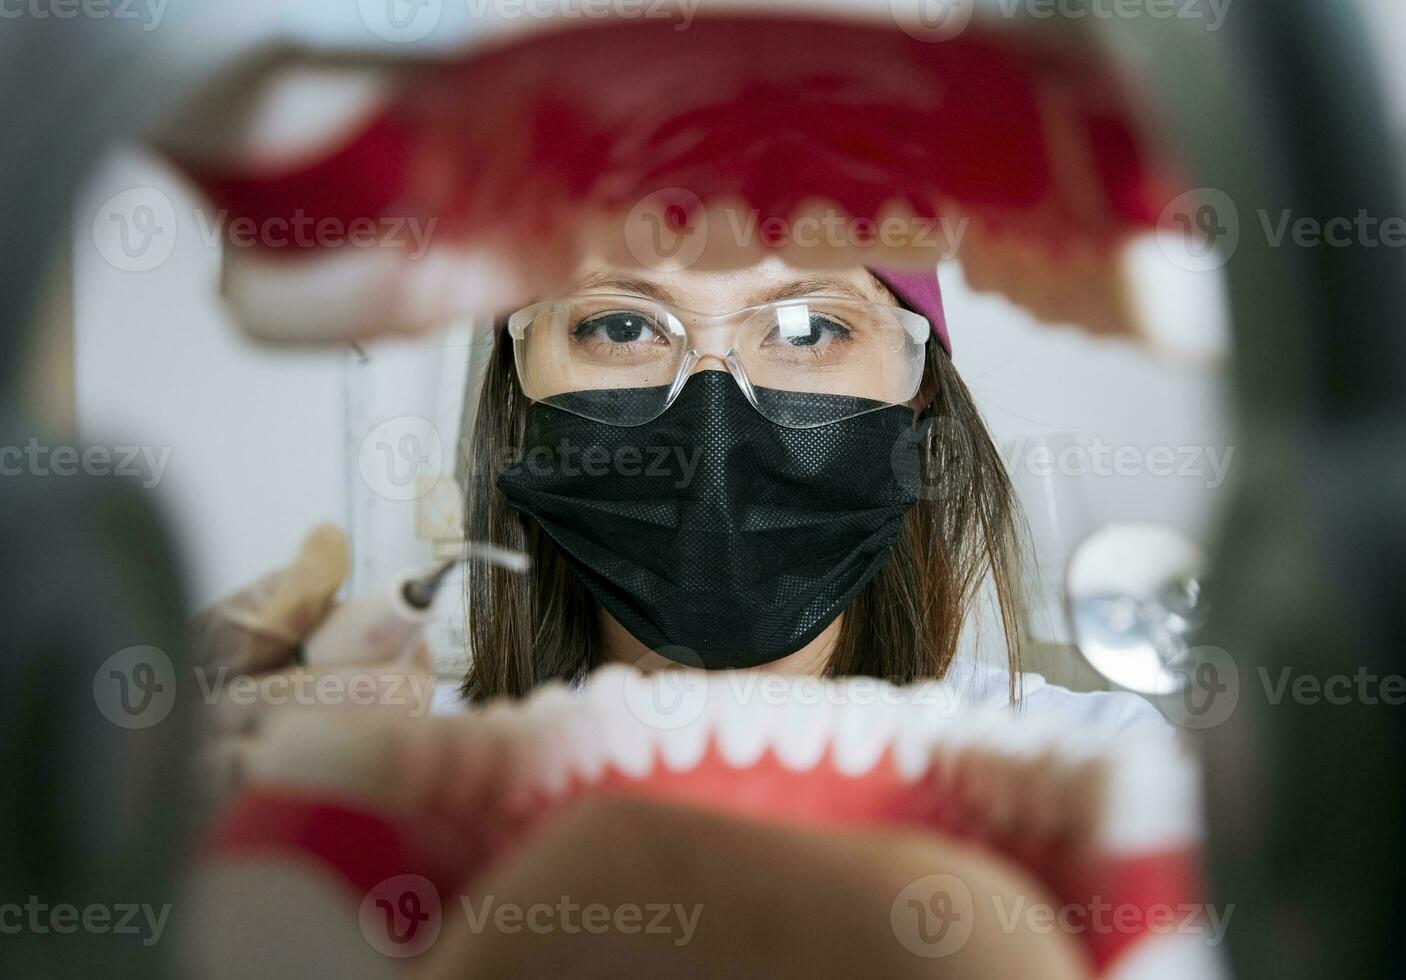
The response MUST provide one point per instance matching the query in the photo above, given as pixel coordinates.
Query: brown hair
(527, 629)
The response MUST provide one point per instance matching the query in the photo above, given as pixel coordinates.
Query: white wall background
(263, 441)
(255, 434)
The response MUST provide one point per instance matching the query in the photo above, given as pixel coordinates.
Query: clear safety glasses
(802, 362)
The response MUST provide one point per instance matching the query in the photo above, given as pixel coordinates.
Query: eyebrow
(622, 283)
(619, 282)
(818, 286)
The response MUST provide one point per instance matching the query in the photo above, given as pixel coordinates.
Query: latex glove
(260, 626)
(245, 648)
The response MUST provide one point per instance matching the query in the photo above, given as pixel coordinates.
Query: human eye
(619, 328)
(806, 327)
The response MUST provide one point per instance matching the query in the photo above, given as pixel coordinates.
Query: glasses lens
(816, 361)
(609, 358)
(808, 362)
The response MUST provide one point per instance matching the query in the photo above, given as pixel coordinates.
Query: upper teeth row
(1128, 793)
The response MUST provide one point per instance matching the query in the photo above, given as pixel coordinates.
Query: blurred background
(242, 446)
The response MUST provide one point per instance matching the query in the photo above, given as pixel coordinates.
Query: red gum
(365, 848)
(768, 111)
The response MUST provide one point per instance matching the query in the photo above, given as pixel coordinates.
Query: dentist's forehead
(721, 291)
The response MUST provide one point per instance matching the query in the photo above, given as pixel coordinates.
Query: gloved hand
(260, 626)
(246, 650)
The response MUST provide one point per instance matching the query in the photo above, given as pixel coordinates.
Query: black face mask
(712, 528)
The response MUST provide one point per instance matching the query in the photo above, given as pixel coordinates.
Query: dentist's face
(630, 328)
(721, 292)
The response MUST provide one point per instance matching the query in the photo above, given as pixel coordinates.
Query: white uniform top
(976, 683)
(1117, 712)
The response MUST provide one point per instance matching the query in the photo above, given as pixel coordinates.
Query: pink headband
(919, 292)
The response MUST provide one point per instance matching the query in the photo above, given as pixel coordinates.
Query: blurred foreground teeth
(1011, 776)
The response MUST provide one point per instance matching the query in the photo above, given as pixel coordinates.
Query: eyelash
(583, 330)
(834, 327)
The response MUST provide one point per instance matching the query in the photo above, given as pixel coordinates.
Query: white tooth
(1152, 796)
(803, 727)
(585, 751)
(683, 745)
(683, 748)
(929, 708)
(744, 719)
(503, 721)
(546, 759)
(628, 744)
(864, 728)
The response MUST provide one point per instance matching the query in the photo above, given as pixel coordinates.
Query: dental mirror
(1133, 593)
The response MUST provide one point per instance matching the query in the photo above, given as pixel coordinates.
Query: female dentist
(761, 469)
